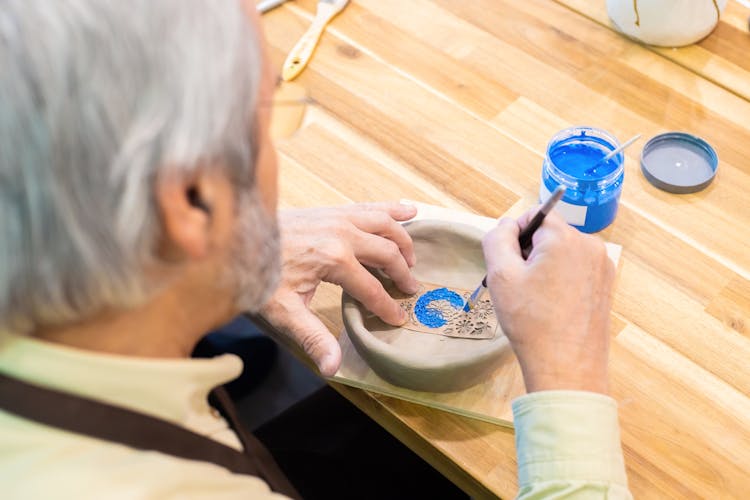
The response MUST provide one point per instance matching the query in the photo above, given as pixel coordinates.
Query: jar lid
(678, 162)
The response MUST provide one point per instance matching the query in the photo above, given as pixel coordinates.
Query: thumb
(502, 253)
(307, 331)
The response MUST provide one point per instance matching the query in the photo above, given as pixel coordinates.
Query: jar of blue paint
(592, 194)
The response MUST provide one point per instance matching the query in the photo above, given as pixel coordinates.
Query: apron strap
(143, 432)
(267, 467)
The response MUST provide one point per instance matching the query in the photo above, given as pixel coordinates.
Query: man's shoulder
(37, 461)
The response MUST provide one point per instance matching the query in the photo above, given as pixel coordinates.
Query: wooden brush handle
(302, 52)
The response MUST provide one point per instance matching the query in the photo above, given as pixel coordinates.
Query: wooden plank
(736, 16)
(446, 76)
(730, 42)
(335, 162)
(298, 187)
(666, 417)
(669, 315)
(398, 121)
(732, 306)
(364, 147)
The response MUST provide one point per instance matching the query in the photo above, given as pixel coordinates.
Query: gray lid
(678, 162)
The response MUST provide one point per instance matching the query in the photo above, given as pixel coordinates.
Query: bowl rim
(354, 322)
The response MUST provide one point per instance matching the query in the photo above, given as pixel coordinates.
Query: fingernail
(328, 366)
(409, 207)
(403, 317)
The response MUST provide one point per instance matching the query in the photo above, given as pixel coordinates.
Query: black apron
(143, 432)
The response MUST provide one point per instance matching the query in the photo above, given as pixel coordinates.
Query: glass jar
(593, 187)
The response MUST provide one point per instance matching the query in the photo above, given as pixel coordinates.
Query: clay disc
(451, 255)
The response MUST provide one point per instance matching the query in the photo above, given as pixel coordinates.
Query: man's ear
(185, 208)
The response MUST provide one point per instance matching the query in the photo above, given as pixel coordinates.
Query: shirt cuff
(568, 435)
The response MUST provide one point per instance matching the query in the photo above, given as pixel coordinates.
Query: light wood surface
(452, 103)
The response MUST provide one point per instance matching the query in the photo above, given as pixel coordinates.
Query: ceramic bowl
(447, 254)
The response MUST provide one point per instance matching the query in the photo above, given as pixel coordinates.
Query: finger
(364, 287)
(502, 252)
(551, 226)
(381, 253)
(306, 330)
(553, 229)
(555, 220)
(552, 218)
(523, 222)
(397, 211)
(381, 223)
(524, 219)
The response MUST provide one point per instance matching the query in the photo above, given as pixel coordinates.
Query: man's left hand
(334, 244)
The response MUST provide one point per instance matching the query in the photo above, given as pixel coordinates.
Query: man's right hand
(554, 306)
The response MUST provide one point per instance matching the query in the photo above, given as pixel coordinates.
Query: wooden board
(489, 401)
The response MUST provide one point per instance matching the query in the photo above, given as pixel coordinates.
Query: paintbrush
(303, 50)
(612, 153)
(524, 241)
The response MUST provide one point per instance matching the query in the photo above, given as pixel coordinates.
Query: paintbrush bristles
(474, 298)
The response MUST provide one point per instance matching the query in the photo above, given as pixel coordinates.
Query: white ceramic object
(666, 23)
(448, 254)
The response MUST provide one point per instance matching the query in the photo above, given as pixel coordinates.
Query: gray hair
(99, 98)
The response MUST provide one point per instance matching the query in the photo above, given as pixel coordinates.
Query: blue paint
(570, 154)
(576, 157)
(428, 313)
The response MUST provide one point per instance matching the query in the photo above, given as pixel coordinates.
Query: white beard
(255, 265)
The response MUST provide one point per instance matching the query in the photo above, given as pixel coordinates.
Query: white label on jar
(573, 214)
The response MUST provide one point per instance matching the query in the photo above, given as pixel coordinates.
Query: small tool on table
(301, 53)
(524, 240)
(612, 153)
(267, 5)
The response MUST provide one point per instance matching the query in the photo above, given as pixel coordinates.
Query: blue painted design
(432, 315)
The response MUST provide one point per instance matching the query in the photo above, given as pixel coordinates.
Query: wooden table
(452, 103)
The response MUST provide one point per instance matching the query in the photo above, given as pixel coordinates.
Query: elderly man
(138, 193)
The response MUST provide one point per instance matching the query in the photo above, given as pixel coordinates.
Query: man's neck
(165, 327)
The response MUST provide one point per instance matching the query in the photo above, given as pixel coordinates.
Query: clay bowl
(448, 254)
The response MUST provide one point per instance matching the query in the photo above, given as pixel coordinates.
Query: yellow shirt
(567, 442)
(37, 461)
(568, 446)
